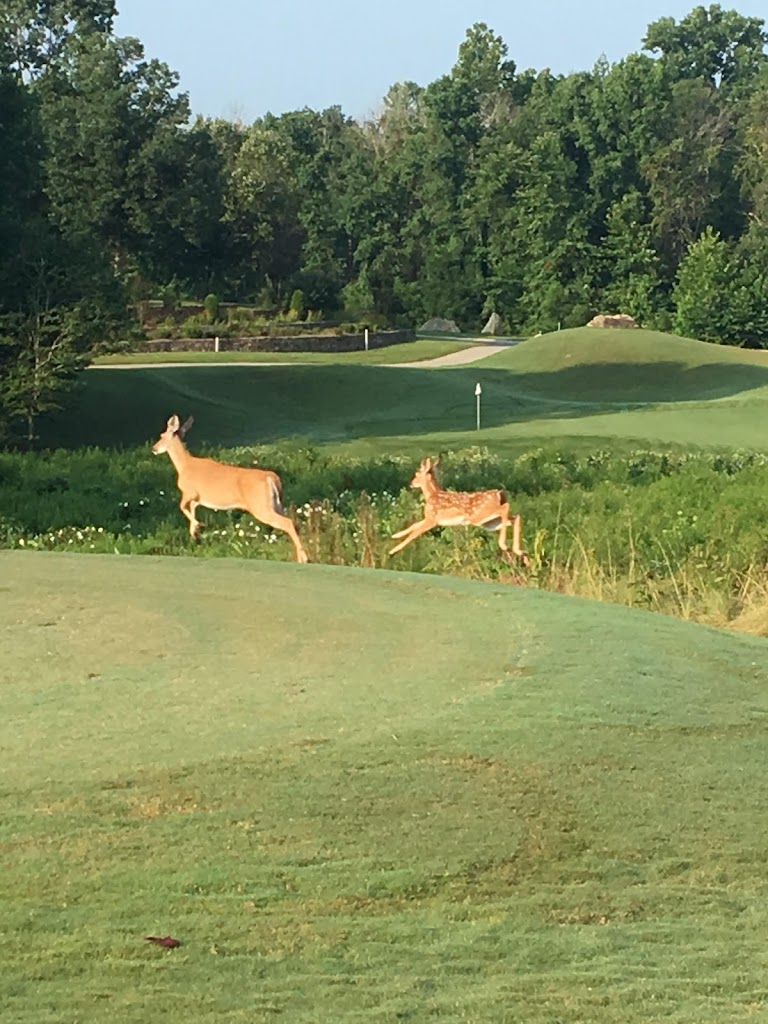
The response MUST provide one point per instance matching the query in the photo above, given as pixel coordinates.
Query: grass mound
(603, 365)
(368, 796)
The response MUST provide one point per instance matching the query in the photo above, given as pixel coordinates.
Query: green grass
(585, 387)
(363, 796)
(414, 351)
(675, 532)
(593, 365)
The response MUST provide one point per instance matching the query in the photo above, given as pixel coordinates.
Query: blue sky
(242, 58)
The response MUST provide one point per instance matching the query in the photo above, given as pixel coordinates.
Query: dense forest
(639, 187)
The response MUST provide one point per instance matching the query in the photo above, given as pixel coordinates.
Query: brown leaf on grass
(167, 940)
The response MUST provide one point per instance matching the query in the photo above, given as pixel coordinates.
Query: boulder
(612, 320)
(438, 324)
(495, 325)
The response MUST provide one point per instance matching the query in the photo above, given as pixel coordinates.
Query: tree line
(639, 187)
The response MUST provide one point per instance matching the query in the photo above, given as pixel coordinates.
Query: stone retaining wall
(305, 343)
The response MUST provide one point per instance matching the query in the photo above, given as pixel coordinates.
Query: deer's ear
(173, 424)
(186, 425)
(436, 462)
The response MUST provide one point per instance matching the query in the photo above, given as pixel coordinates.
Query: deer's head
(425, 473)
(173, 429)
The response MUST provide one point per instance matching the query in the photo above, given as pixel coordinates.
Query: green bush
(211, 304)
(166, 328)
(321, 289)
(297, 306)
(358, 299)
(193, 327)
(170, 297)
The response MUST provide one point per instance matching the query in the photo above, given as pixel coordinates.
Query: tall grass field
(673, 532)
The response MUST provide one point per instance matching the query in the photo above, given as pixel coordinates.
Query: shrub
(264, 298)
(211, 304)
(297, 306)
(358, 298)
(170, 297)
(193, 327)
(321, 289)
(166, 328)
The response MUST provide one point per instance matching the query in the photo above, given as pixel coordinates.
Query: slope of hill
(603, 365)
(366, 795)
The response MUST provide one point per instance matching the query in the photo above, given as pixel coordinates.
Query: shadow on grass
(253, 404)
(608, 384)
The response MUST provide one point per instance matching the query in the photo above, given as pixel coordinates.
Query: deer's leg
(503, 526)
(402, 533)
(286, 524)
(414, 531)
(517, 548)
(188, 507)
(517, 527)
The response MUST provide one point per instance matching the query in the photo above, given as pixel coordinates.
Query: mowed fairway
(366, 796)
(580, 387)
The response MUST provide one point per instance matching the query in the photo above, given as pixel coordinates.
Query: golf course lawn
(356, 795)
(582, 387)
(376, 796)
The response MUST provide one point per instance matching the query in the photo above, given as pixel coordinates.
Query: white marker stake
(216, 343)
(366, 339)
(478, 392)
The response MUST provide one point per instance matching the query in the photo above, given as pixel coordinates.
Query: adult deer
(489, 509)
(218, 485)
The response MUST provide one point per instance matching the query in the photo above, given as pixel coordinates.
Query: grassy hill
(602, 365)
(359, 796)
(583, 386)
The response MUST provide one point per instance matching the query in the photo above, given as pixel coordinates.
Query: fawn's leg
(413, 531)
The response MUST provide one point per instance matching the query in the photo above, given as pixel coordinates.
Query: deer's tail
(276, 494)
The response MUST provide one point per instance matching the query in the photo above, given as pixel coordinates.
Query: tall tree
(690, 174)
(263, 211)
(633, 266)
(720, 47)
(753, 162)
(67, 303)
(58, 295)
(108, 115)
(35, 33)
(707, 276)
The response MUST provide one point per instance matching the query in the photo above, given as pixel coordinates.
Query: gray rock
(495, 325)
(438, 324)
(612, 320)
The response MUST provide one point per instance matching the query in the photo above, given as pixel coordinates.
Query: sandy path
(464, 355)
